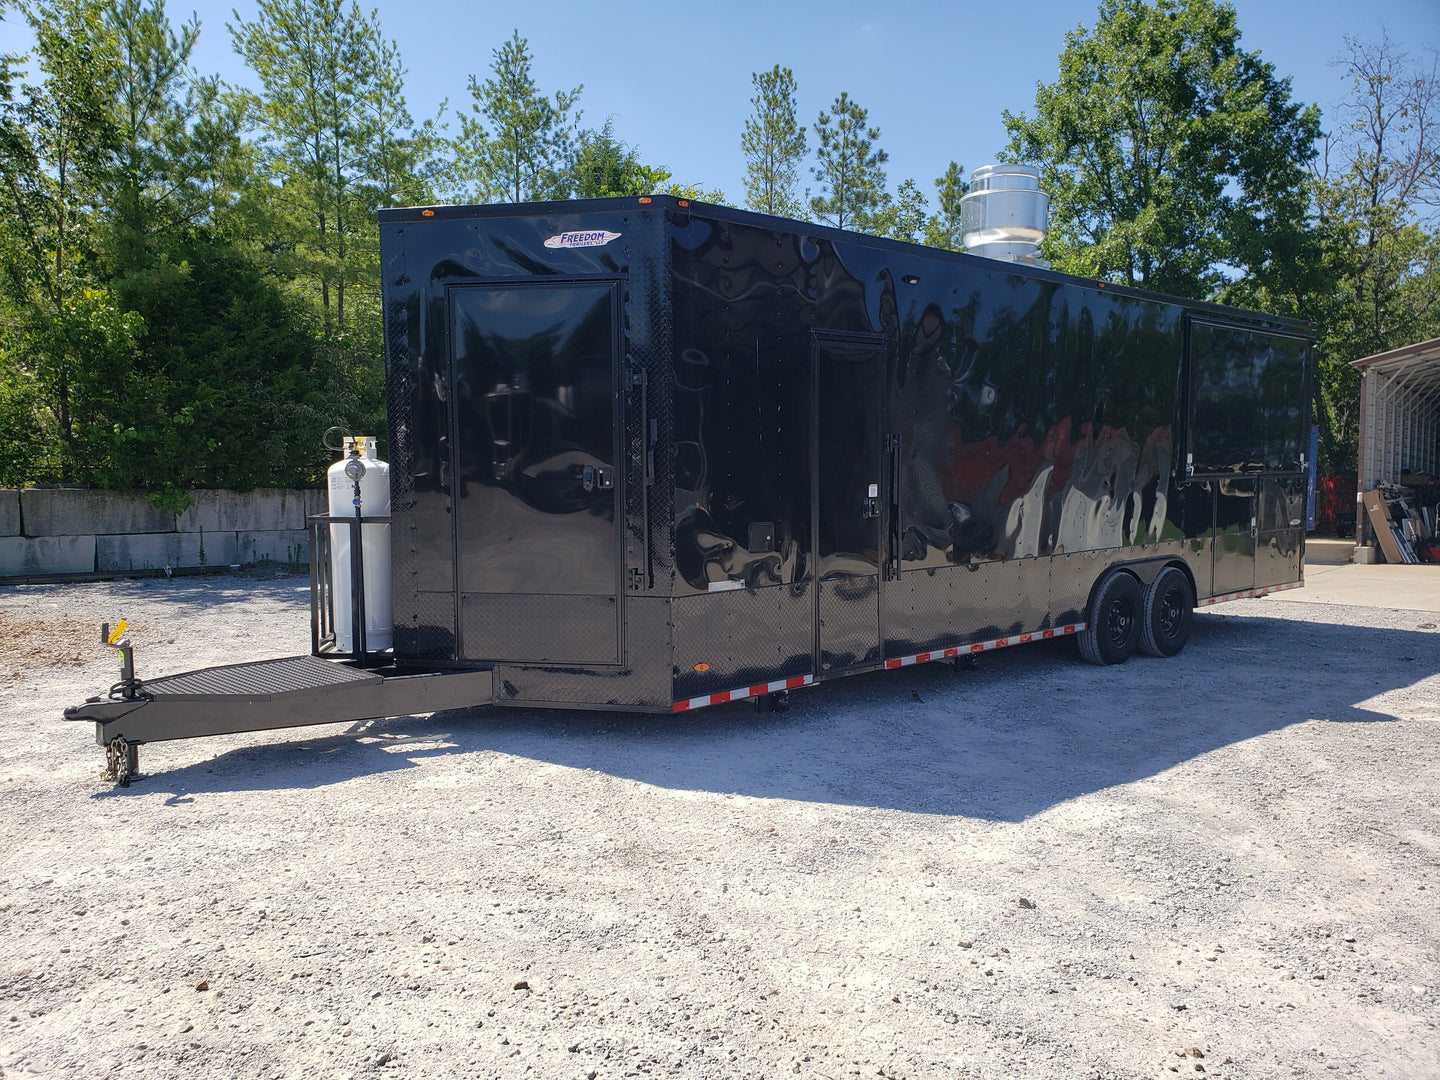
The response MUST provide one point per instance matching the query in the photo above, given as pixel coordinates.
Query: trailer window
(1247, 399)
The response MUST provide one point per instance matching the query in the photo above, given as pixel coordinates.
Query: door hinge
(635, 378)
(892, 443)
(635, 579)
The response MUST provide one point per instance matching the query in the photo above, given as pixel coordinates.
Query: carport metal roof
(1399, 413)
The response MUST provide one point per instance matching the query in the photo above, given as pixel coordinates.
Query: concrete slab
(264, 509)
(1408, 587)
(1327, 551)
(78, 512)
(22, 556)
(9, 512)
(155, 551)
(284, 547)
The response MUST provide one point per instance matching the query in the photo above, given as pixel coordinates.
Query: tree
(901, 217)
(57, 142)
(1386, 183)
(322, 68)
(773, 145)
(1377, 204)
(605, 167)
(1169, 152)
(176, 138)
(943, 229)
(405, 164)
(523, 155)
(850, 168)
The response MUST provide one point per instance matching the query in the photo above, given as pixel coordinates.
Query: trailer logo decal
(590, 238)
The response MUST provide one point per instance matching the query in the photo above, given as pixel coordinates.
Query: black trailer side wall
(826, 451)
(1032, 431)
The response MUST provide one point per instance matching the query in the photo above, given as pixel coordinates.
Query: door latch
(593, 476)
(871, 508)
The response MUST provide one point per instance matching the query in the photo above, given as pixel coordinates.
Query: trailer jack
(122, 762)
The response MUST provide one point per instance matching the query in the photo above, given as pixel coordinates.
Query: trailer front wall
(526, 349)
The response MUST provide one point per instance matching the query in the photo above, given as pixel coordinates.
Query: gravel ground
(1225, 863)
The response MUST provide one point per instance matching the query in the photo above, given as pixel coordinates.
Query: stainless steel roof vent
(1005, 214)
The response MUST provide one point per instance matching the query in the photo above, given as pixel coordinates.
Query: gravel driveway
(1225, 863)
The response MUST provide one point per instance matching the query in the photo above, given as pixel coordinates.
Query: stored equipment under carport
(651, 455)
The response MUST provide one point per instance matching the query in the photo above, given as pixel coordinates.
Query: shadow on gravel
(1030, 728)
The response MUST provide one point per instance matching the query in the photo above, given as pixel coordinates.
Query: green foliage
(773, 145)
(138, 347)
(1367, 271)
(604, 167)
(329, 117)
(903, 217)
(850, 168)
(1169, 152)
(175, 138)
(942, 230)
(522, 157)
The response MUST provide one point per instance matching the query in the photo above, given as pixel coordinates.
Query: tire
(1112, 624)
(1169, 606)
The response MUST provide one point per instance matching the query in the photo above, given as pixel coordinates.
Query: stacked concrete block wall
(45, 531)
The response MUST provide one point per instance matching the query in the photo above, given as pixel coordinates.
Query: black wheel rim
(1118, 622)
(1171, 612)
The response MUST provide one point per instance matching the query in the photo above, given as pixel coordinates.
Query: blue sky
(935, 76)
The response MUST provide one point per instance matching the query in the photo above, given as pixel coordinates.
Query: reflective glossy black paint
(826, 449)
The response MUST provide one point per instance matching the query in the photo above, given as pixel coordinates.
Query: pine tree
(850, 168)
(943, 229)
(773, 144)
(526, 152)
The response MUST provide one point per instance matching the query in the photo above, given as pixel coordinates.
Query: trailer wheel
(1112, 625)
(1169, 605)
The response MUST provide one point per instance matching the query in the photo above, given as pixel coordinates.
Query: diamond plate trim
(263, 677)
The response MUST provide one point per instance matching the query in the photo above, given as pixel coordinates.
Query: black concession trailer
(652, 455)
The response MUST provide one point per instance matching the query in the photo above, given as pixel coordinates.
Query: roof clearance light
(645, 200)
(702, 668)
(684, 202)
(427, 213)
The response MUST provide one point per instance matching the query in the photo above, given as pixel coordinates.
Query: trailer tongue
(294, 691)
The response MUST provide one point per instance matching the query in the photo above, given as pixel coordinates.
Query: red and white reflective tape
(985, 646)
(744, 692)
(1245, 594)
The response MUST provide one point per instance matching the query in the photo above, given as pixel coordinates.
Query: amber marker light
(427, 213)
(702, 668)
(645, 200)
(684, 202)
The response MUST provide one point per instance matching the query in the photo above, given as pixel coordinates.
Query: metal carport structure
(1399, 415)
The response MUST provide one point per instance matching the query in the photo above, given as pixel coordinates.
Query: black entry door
(847, 500)
(535, 487)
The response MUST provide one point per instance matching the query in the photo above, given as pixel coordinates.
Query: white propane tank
(375, 545)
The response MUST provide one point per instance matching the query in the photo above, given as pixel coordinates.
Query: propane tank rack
(324, 641)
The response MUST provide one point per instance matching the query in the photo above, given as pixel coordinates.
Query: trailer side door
(535, 488)
(848, 508)
(1248, 395)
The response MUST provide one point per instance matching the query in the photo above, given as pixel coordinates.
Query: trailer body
(651, 454)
